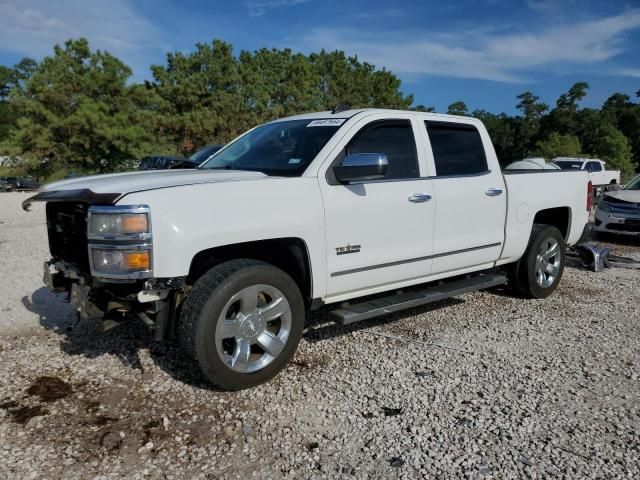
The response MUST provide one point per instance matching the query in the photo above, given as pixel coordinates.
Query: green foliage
(457, 108)
(614, 147)
(76, 111)
(557, 145)
(210, 96)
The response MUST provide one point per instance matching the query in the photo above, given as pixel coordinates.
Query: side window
(594, 167)
(457, 148)
(395, 139)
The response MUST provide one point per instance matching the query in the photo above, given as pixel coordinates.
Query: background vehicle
(165, 162)
(532, 164)
(598, 174)
(329, 208)
(619, 211)
(23, 183)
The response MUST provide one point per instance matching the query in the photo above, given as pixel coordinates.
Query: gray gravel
(484, 386)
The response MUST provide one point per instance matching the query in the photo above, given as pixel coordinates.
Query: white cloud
(488, 56)
(32, 28)
(260, 8)
(629, 72)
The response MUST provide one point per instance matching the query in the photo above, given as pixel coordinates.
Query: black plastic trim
(83, 195)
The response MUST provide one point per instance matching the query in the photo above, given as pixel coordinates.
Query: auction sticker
(327, 122)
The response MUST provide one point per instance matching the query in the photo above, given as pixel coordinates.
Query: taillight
(589, 196)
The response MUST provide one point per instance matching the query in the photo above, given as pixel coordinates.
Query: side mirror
(358, 167)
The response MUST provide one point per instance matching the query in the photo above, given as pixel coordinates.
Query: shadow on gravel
(123, 342)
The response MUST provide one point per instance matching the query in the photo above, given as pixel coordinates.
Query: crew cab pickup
(363, 212)
(598, 174)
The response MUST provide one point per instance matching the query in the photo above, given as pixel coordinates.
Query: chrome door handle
(494, 192)
(420, 197)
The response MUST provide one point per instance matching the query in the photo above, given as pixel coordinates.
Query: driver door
(378, 232)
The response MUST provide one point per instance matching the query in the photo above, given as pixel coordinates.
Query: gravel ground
(483, 386)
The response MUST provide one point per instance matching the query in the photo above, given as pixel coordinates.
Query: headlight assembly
(120, 242)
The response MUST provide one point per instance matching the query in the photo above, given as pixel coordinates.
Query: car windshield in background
(204, 153)
(280, 148)
(567, 165)
(633, 184)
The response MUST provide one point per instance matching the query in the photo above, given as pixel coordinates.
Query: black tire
(524, 276)
(203, 307)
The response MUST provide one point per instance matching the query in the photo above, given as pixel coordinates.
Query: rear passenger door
(470, 197)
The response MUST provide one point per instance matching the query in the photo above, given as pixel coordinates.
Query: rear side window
(594, 167)
(395, 139)
(457, 149)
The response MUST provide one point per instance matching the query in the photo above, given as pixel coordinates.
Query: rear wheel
(540, 269)
(242, 321)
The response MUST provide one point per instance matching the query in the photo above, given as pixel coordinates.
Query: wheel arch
(559, 217)
(290, 254)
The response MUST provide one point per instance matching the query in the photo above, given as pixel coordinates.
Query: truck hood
(109, 188)
(631, 196)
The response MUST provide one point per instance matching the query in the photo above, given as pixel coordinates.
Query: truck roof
(356, 111)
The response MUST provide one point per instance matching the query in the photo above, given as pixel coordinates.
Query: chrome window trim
(129, 275)
(116, 209)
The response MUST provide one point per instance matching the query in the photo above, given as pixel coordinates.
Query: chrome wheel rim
(548, 262)
(253, 328)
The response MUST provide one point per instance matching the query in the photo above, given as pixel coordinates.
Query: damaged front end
(103, 259)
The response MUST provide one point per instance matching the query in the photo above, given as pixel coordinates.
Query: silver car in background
(619, 210)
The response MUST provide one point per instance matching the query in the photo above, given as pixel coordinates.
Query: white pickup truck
(364, 212)
(598, 174)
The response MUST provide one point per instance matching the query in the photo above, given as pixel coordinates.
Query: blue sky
(484, 52)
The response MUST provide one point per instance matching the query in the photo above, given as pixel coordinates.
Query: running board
(350, 313)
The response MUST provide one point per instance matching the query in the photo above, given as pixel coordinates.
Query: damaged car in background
(619, 211)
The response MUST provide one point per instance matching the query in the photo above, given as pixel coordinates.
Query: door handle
(494, 192)
(420, 197)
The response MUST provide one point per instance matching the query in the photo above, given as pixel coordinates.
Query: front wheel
(538, 272)
(242, 321)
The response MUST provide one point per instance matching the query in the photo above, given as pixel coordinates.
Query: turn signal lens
(134, 223)
(138, 261)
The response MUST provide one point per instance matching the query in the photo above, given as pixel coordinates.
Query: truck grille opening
(67, 228)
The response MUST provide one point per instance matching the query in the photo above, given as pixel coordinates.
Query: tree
(502, 132)
(209, 95)
(528, 126)
(613, 147)
(457, 108)
(569, 100)
(76, 111)
(422, 108)
(557, 145)
(562, 119)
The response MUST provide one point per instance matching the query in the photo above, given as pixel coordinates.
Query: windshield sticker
(327, 122)
(294, 161)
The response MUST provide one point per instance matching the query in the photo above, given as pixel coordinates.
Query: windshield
(633, 184)
(279, 148)
(569, 165)
(204, 153)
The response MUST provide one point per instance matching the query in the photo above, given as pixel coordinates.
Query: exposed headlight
(114, 224)
(120, 262)
(120, 241)
(604, 207)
